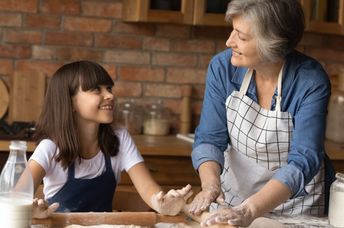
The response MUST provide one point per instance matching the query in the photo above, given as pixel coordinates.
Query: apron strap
(279, 90)
(246, 82)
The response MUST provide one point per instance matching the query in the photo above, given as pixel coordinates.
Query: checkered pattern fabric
(262, 138)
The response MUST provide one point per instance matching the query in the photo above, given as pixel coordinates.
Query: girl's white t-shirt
(55, 177)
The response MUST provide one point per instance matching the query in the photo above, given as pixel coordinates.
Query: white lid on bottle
(18, 145)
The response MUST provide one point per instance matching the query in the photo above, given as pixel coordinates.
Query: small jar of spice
(156, 120)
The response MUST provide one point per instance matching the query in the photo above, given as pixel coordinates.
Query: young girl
(80, 156)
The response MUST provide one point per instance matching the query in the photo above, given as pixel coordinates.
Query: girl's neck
(88, 138)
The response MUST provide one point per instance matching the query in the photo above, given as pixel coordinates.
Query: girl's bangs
(93, 77)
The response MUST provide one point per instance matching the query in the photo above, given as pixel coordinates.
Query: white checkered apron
(260, 142)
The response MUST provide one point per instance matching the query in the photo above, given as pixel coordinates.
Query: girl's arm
(168, 204)
(37, 172)
(41, 209)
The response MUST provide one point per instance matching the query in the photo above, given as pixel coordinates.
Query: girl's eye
(109, 88)
(96, 89)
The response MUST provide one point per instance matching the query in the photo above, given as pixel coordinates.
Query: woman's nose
(229, 42)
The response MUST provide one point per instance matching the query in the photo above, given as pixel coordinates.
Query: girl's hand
(172, 202)
(41, 208)
(240, 215)
(204, 198)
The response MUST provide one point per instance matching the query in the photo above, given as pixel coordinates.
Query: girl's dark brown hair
(56, 121)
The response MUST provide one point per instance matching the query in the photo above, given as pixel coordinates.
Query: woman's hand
(41, 209)
(204, 198)
(172, 202)
(240, 215)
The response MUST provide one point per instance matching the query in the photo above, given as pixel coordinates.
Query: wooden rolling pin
(112, 218)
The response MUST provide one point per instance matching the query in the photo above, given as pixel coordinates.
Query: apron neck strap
(246, 82)
(247, 79)
(279, 90)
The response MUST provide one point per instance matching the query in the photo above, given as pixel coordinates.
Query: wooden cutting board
(4, 99)
(27, 95)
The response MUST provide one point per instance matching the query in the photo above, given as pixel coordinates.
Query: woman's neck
(266, 78)
(269, 71)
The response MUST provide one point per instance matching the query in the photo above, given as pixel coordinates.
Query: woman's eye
(241, 38)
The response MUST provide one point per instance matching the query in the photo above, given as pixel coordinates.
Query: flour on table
(106, 226)
(158, 225)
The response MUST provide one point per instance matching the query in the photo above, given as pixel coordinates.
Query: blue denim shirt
(305, 94)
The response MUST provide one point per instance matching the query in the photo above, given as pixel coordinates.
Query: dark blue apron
(85, 195)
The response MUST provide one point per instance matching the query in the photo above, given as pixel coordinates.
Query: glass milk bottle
(16, 189)
(336, 203)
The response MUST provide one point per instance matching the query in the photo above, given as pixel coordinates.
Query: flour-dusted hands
(41, 209)
(172, 202)
(240, 215)
(204, 198)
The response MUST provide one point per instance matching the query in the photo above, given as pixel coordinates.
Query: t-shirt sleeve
(128, 152)
(44, 153)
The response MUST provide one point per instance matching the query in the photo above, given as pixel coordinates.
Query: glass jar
(16, 189)
(156, 120)
(336, 203)
(335, 117)
(130, 116)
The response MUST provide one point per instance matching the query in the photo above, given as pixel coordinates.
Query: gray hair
(277, 24)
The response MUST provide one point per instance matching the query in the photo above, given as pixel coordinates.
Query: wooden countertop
(173, 146)
(147, 145)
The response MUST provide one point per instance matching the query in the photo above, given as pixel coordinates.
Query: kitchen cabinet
(324, 16)
(192, 12)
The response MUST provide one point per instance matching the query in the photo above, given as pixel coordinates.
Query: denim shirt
(305, 94)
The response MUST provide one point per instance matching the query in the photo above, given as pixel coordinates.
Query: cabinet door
(210, 12)
(324, 16)
(168, 11)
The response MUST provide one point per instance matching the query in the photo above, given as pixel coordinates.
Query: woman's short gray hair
(277, 24)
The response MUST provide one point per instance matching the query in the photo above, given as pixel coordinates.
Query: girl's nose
(108, 95)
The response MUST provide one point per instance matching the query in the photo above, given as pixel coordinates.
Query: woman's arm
(209, 173)
(270, 196)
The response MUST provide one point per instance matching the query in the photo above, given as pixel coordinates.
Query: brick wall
(147, 61)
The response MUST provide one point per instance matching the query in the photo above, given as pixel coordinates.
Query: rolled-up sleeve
(211, 135)
(307, 145)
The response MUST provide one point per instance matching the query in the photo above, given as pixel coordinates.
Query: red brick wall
(147, 61)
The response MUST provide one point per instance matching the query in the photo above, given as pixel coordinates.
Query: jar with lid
(336, 203)
(129, 115)
(16, 189)
(156, 120)
(335, 117)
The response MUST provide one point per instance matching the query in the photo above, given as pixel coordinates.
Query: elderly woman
(259, 146)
